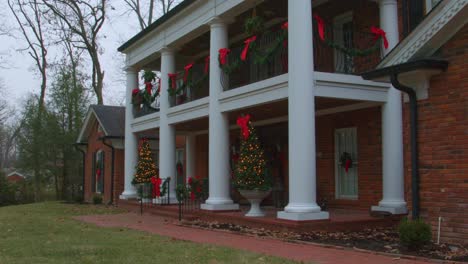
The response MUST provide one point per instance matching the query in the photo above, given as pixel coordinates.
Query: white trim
(188, 111)
(87, 125)
(145, 122)
(433, 32)
(16, 173)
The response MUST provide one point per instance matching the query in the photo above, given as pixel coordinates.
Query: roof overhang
(91, 117)
(415, 74)
(441, 24)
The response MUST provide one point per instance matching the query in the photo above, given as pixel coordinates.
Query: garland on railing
(146, 95)
(262, 56)
(188, 81)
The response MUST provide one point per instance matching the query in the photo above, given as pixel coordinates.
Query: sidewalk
(299, 252)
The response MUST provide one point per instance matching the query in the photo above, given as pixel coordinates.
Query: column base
(393, 210)
(220, 207)
(293, 216)
(127, 195)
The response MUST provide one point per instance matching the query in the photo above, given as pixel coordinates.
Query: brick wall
(15, 178)
(94, 145)
(368, 125)
(443, 145)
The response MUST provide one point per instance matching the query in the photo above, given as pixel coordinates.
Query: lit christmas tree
(250, 172)
(146, 168)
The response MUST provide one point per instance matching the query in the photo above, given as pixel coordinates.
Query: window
(346, 171)
(98, 172)
(343, 35)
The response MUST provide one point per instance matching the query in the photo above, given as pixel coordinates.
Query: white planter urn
(157, 200)
(255, 197)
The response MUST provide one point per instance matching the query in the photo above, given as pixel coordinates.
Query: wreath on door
(346, 161)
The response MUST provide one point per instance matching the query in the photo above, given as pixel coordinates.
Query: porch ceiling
(280, 109)
(195, 125)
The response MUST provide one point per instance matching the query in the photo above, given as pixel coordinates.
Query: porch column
(218, 169)
(190, 152)
(393, 200)
(302, 169)
(167, 143)
(131, 142)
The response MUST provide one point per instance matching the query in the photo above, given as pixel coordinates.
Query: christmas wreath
(346, 161)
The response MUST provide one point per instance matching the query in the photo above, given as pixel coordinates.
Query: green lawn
(45, 233)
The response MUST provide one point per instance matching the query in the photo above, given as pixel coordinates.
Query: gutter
(83, 153)
(103, 139)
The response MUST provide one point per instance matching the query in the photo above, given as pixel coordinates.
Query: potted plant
(250, 173)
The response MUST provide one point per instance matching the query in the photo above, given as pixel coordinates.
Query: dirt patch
(375, 239)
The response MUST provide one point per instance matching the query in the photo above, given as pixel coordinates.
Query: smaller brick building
(102, 141)
(15, 177)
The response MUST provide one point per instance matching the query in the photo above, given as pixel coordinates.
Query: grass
(45, 233)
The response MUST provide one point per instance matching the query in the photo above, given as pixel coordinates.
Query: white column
(302, 168)
(131, 142)
(167, 143)
(190, 153)
(393, 200)
(218, 169)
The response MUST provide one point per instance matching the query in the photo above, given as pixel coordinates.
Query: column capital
(130, 69)
(167, 51)
(216, 21)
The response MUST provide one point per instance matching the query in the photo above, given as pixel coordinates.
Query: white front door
(346, 165)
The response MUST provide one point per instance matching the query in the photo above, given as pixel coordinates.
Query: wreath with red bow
(346, 161)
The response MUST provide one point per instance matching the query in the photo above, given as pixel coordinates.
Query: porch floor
(340, 219)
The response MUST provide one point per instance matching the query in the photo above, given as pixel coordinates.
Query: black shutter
(93, 174)
(103, 173)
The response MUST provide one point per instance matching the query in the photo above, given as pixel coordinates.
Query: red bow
(135, 91)
(172, 78)
(98, 174)
(321, 26)
(246, 48)
(207, 64)
(379, 33)
(243, 123)
(285, 25)
(223, 54)
(156, 186)
(149, 87)
(187, 69)
(347, 165)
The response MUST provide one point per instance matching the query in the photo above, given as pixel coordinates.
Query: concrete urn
(255, 197)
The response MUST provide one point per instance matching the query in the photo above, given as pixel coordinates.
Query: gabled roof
(441, 24)
(110, 118)
(184, 4)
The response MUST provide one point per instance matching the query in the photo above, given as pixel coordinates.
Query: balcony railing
(195, 87)
(343, 50)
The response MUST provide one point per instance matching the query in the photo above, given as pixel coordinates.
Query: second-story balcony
(340, 49)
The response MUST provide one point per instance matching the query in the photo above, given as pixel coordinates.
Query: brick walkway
(299, 252)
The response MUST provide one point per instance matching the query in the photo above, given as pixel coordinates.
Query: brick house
(102, 140)
(310, 105)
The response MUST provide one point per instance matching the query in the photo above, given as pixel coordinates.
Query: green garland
(263, 56)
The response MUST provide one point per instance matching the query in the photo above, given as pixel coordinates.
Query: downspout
(414, 142)
(103, 139)
(83, 153)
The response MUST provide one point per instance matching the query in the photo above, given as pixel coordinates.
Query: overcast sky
(20, 79)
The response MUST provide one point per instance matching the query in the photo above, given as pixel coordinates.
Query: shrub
(97, 199)
(414, 234)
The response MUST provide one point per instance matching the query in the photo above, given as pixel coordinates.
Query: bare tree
(147, 10)
(29, 17)
(84, 20)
